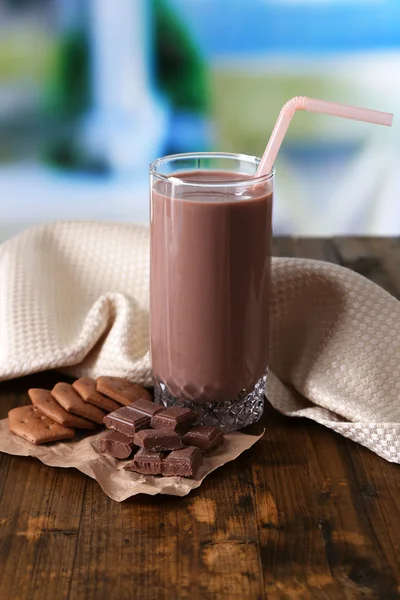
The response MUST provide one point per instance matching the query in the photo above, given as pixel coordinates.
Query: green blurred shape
(245, 107)
(180, 70)
(26, 53)
(68, 93)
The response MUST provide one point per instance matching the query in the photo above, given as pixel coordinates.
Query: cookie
(86, 388)
(69, 399)
(121, 390)
(31, 424)
(45, 402)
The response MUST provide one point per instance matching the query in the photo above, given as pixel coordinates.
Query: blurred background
(92, 90)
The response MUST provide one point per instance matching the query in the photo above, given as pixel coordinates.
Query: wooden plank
(316, 249)
(283, 246)
(39, 516)
(317, 538)
(40, 510)
(377, 259)
(294, 559)
(355, 558)
(203, 546)
(299, 247)
(388, 250)
(230, 564)
(378, 487)
(360, 552)
(293, 553)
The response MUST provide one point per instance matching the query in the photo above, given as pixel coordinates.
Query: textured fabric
(74, 296)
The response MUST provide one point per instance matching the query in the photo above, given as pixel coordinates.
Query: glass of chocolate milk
(210, 285)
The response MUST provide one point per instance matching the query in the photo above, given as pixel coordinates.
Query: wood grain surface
(304, 514)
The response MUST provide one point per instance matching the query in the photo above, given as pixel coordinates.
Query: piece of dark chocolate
(126, 420)
(158, 440)
(204, 438)
(175, 418)
(146, 407)
(116, 444)
(145, 462)
(182, 463)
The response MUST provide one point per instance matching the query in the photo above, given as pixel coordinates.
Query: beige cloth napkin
(74, 296)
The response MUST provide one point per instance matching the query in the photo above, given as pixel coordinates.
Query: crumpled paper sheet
(119, 484)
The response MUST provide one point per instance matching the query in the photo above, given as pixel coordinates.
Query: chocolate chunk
(126, 420)
(148, 463)
(158, 440)
(116, 444)
(176, 418)
(45, 402)
(121, 390)
(71, 401)
(204, 438)
(31, 424)
(86, 388)
(146, 407)
(182, 463)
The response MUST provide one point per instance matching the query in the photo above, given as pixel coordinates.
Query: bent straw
(317, 106)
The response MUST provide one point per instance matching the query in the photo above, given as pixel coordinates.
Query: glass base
(247, 408)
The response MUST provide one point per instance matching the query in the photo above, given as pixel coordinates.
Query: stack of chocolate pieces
(55, 415)
(169, 441)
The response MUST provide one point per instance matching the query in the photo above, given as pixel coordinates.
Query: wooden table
(303, 514)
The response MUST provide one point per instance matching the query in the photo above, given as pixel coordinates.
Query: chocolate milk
(210, 284)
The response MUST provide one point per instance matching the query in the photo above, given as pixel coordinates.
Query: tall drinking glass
(210, 285)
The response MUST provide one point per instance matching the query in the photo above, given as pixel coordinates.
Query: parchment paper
(119, 484)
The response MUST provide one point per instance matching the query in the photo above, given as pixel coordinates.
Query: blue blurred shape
(231, 27)
(127, 124)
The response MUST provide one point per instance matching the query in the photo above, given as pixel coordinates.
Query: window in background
(333, 176)
(92, 90)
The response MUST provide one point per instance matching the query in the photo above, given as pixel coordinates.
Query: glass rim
(223, 155)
